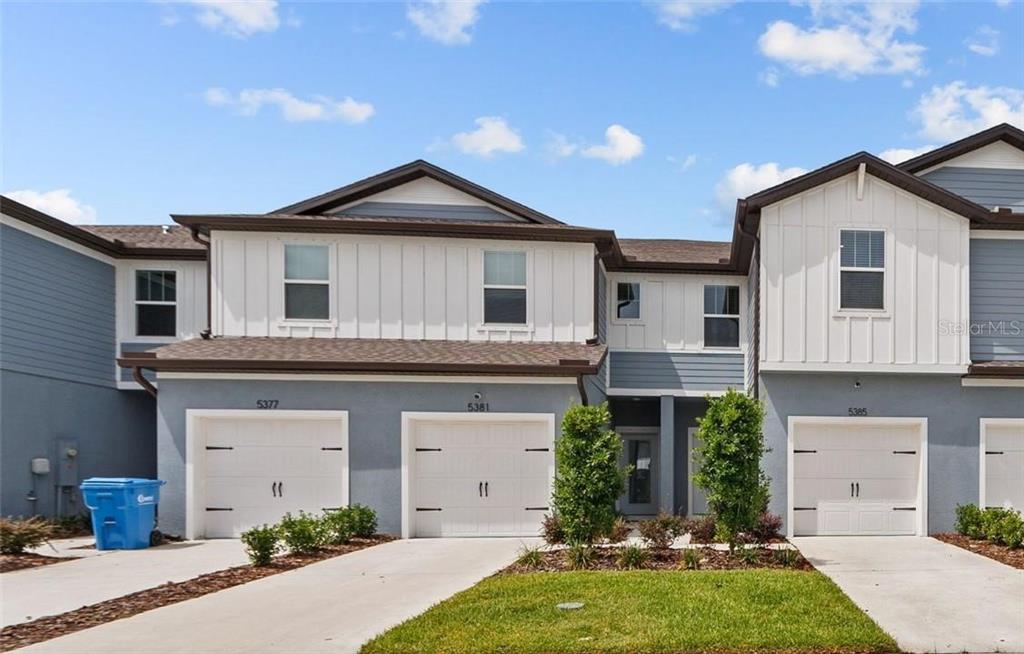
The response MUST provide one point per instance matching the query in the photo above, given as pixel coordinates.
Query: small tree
(730, 463)
(588, 480)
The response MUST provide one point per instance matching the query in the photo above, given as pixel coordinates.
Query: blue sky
(646, 118)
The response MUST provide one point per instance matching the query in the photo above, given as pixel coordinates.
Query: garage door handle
(487, 493)
(280, 489)
(992, 452)
(904, 452)
(218, 508)
(273, 488)
(332, 449)
(904, 508)
(851, 489)
(537, 449)
(480, 489)
(805, 508)
(218, 447)
(858, 489)
(805, 451)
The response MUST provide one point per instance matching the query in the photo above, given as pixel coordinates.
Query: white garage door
(1004, 463)
(256, 469)
(856, 479)
(479, 477)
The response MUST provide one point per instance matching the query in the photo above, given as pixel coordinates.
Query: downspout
(141, 380)
(206, 333)
(755, 356)
(581, 387)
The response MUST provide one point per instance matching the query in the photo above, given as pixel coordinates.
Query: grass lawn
(640, 612)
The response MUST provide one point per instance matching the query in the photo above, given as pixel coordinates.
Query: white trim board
(998, 234)
(922, 480)
(423, 379)
(659, 392)
(195, 442)
(409, 420)
(984, 424)
(915, 368)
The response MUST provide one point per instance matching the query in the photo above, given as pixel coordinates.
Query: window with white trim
(862, 269)
(307, 282)
(156, 303)
(505, 288)
(721, 316)
(627, 301)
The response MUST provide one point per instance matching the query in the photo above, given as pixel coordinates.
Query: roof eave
(1003, 132)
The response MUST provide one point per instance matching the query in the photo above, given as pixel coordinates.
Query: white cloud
(57, 203)
(492, 135)
(747, 179)
(769, 77)
(620, 146)
(953, 111)
(684, 163)
(445, 21)
(1004, 3)
(984, 41)
(682, 15)
(899, 155)
(558, 146)
(238, 18)
(847, 39)
(248, 102)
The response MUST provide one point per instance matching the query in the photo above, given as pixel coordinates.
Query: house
(411, 341)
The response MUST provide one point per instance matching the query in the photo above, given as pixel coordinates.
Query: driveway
(332, 606)
(929, 596)
(62, 587)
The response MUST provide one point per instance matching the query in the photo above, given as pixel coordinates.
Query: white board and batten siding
(927, 251)
(401, 288)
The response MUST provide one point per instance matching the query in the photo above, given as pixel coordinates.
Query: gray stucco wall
(114, 430)
(997, 300)
(989, 187)
(375, 410)
(953, 413)
(692, 371)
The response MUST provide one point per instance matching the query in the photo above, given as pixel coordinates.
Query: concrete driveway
(48, 590)
(332, 606)
(929, 596)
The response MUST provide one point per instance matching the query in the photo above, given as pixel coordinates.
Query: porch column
(667, 454)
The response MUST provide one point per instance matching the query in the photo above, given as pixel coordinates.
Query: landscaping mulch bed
(12, 562)
(36, 631)
(1001, 553)
(606, 558)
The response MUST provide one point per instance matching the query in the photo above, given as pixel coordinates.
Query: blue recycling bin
(123, 511)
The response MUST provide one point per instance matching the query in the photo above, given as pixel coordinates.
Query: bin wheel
(156, 537)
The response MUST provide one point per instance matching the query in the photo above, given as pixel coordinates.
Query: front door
(640, 452)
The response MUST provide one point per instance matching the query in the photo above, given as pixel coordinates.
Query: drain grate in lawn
(653, 612)
(36, 631)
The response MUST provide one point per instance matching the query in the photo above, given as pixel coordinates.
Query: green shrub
(659, 532)
(992, 523)
(749, 555)
(20, 534)
(729, 460)
(619, 532)
(632, 557)
(302, 534)
(588, 480)
(1003, 526)
(530, 557)
(364, 520)
(261, 544)
(785, 557)
(552, 530)
(338, 527)
(580, 557)
(691, 558)
(701, 530)
(1013, 531)
(969, 521)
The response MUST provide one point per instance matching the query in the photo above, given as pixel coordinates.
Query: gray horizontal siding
(411, 210)
(56, 311)
(997, 300)
(989, 187)
(696, 371)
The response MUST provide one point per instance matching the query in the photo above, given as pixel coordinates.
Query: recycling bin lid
(120, 481)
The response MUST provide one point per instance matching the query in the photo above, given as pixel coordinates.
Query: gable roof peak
(1002, 132)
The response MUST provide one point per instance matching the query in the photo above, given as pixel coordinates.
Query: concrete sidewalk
(332, 606)
(929, 596)
(52, 589)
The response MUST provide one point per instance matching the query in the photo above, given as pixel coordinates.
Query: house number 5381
(478, 407)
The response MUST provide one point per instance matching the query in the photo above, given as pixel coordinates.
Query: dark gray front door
(640, 451)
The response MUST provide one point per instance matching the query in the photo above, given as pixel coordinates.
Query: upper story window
(156, 303)
(627, 302)
(307, 282)
(861, 269)
(721, 316)
(505, 288)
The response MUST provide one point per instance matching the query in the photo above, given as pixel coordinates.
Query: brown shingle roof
(283, 354)
(173, 237)
(675, 250)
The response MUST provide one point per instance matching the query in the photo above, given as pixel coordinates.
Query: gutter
(141, 380)
(755, 355)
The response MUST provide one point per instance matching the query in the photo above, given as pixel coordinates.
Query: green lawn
(639, 612)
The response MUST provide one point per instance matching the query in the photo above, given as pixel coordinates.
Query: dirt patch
(607, 558)
(12, 562)
(1001, 553)
(37, 631)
